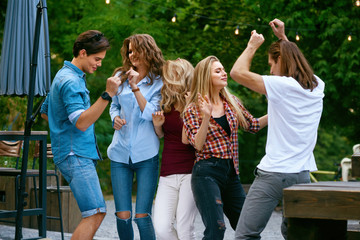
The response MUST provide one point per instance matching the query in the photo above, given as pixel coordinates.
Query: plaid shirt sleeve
(191, 123)
(254, 124)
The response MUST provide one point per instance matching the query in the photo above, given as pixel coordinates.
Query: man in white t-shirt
(295, 102)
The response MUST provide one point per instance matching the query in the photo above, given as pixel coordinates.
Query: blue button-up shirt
(67, 99)
(136, 139)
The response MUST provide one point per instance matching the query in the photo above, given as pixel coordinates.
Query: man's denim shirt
(67, 99)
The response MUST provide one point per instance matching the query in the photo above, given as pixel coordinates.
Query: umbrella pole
(28, 124)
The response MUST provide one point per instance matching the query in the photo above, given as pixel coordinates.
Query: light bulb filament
(237, 30)
(174, 18)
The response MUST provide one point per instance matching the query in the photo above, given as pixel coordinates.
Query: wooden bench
(321, 210)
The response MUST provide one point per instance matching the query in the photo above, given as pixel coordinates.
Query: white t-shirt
(293, 119)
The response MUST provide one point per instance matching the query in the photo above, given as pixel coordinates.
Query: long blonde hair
(202, 84)
(177, 77)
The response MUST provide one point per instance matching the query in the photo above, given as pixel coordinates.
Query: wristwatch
(106, 96)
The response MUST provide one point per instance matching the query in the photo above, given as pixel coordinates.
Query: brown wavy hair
(178, 75)
(145, 46)
(202, 84)
(293, 63)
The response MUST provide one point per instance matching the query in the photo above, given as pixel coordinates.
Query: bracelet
(135, 90)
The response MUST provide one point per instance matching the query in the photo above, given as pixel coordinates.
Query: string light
(349, 37)
(174, 18)
(237, 30)
(107, 1)
(357, 3)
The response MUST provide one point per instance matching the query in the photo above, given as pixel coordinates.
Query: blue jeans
(82, 177)
(122, 180)
(264, 195)
(217, 190)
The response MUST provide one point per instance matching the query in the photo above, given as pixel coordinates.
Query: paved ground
(108, 230)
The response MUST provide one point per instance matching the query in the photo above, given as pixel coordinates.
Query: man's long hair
(293, 63)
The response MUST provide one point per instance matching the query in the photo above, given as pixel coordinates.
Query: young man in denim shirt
(71, 121)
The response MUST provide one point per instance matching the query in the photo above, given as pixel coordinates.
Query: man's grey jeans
(264, 195)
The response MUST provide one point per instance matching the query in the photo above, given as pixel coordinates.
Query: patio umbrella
(17, 51)
(25, 68)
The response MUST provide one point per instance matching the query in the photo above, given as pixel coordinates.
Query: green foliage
(331, 148)
(104, 132)
(204, 28)
(13, 112)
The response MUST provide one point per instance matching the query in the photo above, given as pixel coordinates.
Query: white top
(293, 119)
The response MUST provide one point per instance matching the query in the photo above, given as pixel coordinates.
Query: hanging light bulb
(357, 3)
(297, 37)
(237, 30)
(349, 37)
(107, 1)
(174, 18)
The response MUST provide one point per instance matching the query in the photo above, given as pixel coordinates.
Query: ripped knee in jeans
(123, 215)
(141, 215)
(218, 201)
(221, 224)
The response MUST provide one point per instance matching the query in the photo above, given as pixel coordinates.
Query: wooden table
(321, 210)
(40, 136)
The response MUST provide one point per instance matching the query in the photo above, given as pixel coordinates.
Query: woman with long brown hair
(135, 146)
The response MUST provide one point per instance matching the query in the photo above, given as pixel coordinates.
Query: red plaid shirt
(218, 144)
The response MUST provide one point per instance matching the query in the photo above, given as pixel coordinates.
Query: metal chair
(13, 149)
(10, 150)
(53, 173)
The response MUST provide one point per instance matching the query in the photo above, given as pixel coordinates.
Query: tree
(204, 28)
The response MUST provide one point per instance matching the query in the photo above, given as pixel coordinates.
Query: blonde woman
(135, 146)
(174, 203)
(212, 118)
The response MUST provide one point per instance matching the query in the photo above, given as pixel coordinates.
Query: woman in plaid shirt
(211, 121)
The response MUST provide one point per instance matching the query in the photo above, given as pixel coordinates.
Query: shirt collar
(146, 80)
(75, 69)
